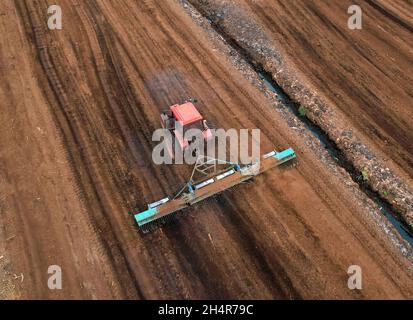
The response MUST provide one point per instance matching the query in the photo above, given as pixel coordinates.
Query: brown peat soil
(78, 109)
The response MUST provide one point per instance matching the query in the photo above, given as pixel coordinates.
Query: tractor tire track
(291, 234)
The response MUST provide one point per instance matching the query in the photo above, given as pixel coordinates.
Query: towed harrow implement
(193, 193)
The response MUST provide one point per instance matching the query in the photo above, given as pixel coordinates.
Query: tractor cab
(181, 118)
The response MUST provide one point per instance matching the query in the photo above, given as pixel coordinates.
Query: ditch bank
(239, 29)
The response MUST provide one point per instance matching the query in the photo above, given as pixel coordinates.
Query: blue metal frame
(286, 154)
(145, 215)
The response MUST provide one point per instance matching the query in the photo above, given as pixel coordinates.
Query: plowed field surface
(78, 109)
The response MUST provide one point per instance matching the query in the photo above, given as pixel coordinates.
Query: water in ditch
(332, 150)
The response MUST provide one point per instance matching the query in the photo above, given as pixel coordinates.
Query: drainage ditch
(337, 155)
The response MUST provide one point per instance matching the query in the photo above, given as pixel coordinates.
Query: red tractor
(179, 119)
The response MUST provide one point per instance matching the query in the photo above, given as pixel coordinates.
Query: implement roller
(193, 193)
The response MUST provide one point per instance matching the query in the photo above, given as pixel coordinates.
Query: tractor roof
(186, 113)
